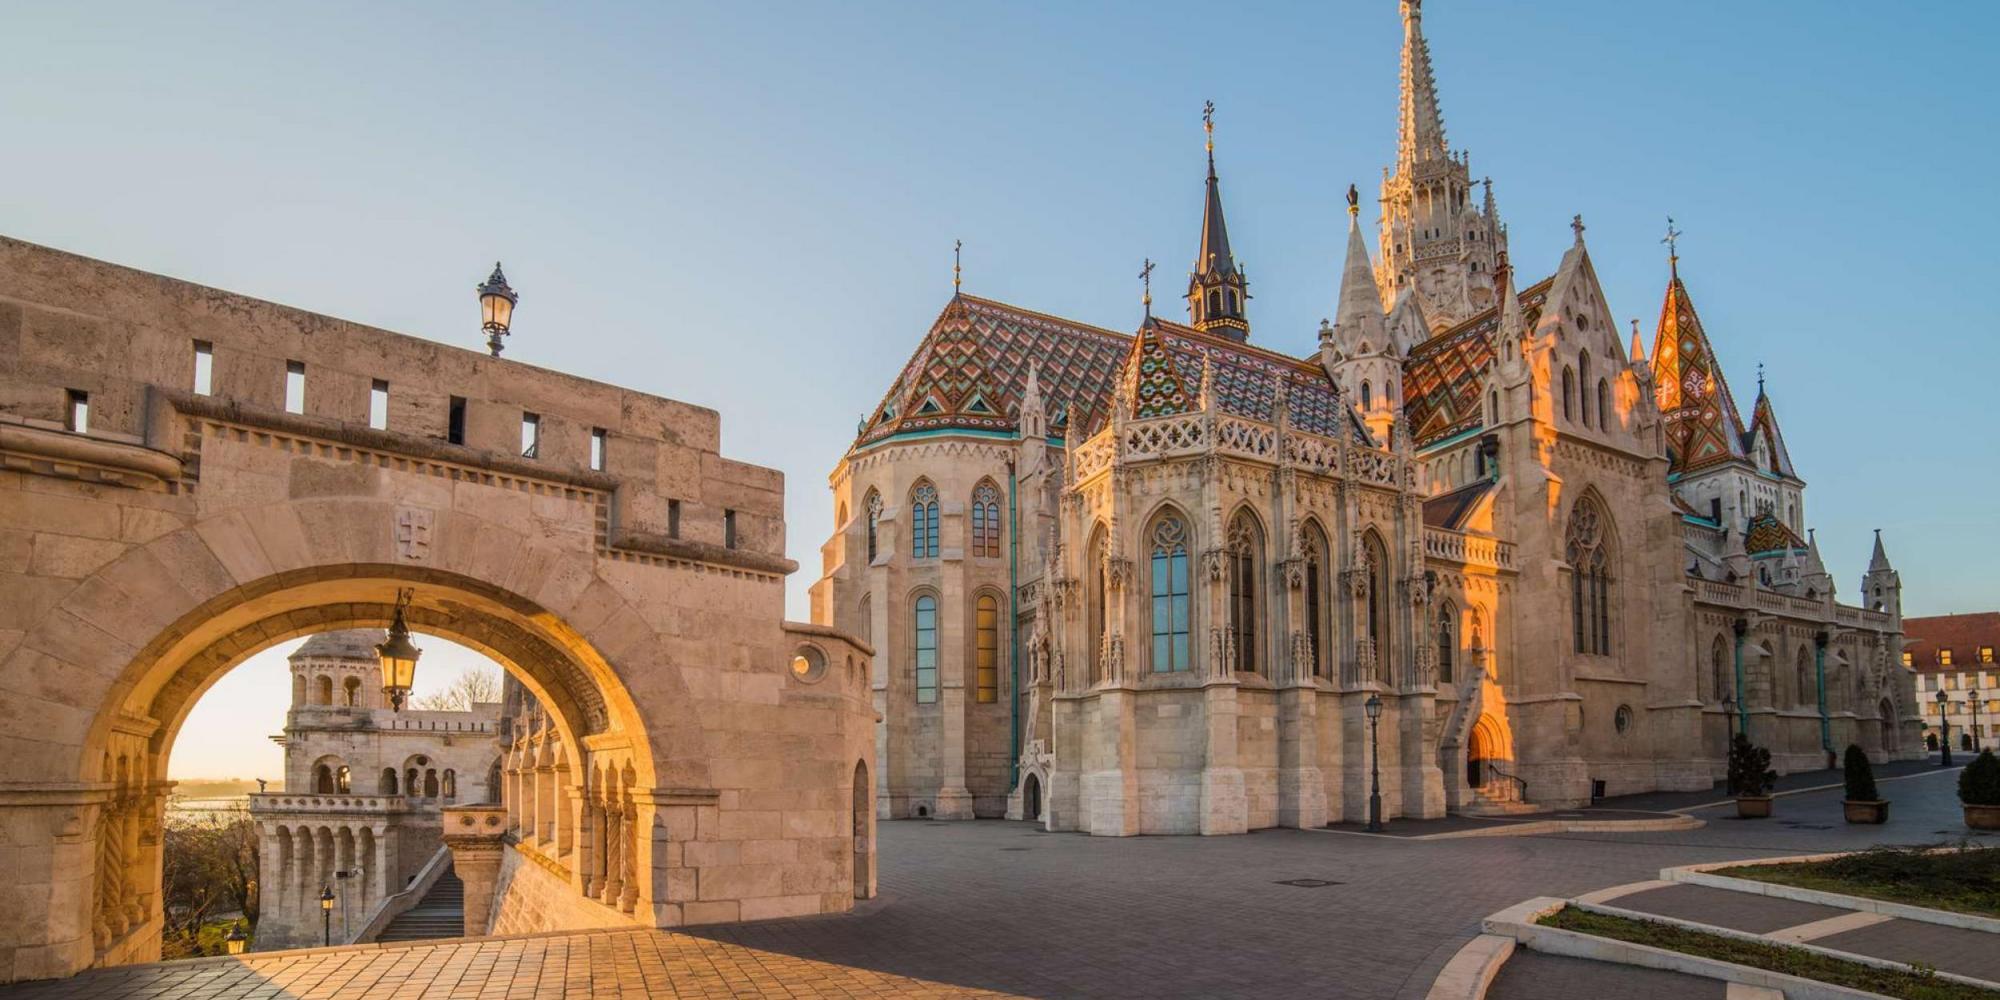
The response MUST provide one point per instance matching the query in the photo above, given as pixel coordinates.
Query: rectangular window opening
(597, 449)
(455, 428)
(76, 415)
(673, 519)
(378, 405)
(531, 434)
(295, 387)
(204, 368)
(728, 529)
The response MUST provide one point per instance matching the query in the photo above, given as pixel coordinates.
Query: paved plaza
(996, 908)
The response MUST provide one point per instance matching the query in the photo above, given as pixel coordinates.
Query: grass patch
(1769, 957)
(1961, 881)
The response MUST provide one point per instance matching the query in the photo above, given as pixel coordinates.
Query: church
(1480, 553)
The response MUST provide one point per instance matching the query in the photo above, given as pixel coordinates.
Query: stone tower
(1434, 239)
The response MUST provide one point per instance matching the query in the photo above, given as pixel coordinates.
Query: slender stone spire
(1358, 327)
(1880, 560)
(1421, 135)
(1217, 288)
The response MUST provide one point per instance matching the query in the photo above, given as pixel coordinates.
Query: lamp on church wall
(399, 657)
(496, 308)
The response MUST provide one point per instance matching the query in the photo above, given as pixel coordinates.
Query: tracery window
(1719, 686)
(1447, 643)
(1569, 394)
(986, 650)
(1587, 549)
(925, 643)
(1316, 604)
(1169, 572)
(1246, 557)
(1583, 380)
(874, 507)
(1097, 584)
(1374, 566)
(1603, 404)
(986, 521)
(923, 521)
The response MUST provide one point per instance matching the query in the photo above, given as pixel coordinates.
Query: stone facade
(188, 476)
(1958, 676)
(364, 789)
(1561, 570)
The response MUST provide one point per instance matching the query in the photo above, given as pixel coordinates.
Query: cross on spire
(1760, 378)
(956, 246)
(1576, 226)
(1208, 129)
(1146, 275)
(1672, 240)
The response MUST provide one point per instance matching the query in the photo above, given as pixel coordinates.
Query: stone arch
(1245, 542)
(1373, 624)
(323, 689)
(1316, 549)
(1488, 742)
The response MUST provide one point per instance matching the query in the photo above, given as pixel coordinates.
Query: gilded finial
(1208, 127)
(1146, 275)
(1353, 202)
(1672, 240)
(956, 271)
(1760, 378)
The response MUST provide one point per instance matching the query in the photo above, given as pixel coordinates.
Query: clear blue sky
(751, 206)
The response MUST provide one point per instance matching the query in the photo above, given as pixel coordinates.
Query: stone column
(475, 835)
(954, 799)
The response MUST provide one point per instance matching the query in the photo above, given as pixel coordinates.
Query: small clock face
(1695, 385)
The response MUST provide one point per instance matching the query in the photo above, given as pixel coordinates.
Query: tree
(209, 867)
(1750, 768)
(1860, 776)
(472, 687)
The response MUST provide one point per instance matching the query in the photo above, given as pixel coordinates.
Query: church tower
(1882, 586)
(1434, 239)
(1358, 351)
(1217, 289)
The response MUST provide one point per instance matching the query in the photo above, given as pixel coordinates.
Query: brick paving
(1950, 949)
(994, 908)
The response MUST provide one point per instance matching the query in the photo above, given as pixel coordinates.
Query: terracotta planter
(1753, 806)
(1863, 811)
(1982, 817)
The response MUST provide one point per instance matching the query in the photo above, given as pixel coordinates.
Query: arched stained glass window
(923, 520)
(1168, 570)
(1447, 642)
(874, 507)
(1246, 561)
(986, 521)
(1317, 612)
(1569, 394)
(925, 630)
(1587, 549)
(986, 650)
(1375, 567)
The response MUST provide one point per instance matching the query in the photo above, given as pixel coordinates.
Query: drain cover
(1308, 883)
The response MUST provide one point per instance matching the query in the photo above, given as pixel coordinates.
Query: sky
(752, 206)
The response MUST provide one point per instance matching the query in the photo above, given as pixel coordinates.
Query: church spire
(1217, 289)
(1421, 134)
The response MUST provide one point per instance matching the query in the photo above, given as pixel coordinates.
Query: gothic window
(873, 505)
(1246, 560)
(1569, 394)
(986, 521)
(1098, 555)
(1214, 303)
(986, 650)
(343, 780)
(387, 786)
(1374, 565)
(923, 520)
(865, 628)
(1168, 570)
(1583, 380)
(352, 691)
(1719, 686)
(1365, 394)
(925, 634)
(1587, 549)
(1447, 644)
(1603, 404)
(450, 784)
(1316, 609)
(323, 690)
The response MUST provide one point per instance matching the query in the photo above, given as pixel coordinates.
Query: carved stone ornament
(413, 533)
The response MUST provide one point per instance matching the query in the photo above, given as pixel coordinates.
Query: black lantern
(1373, 708)
(326, 915)
(237, 940)
(399, 657)
(1944, 725)
(496, 308)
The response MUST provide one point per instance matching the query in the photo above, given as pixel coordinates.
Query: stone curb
(1706, 875)
(1674, 822)
(1470, 972)
(1730, 932)
(1518, 922)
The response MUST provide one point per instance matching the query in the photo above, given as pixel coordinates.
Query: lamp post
(399, 657)
(1373, 707)
(1944, 725)
(326, 915)
(1973, 697)
(237, 940)
(496, 308)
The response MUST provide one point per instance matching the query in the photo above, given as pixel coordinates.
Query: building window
(1316, 609)
(351, 689)
(1583, 383)
(1099, 556)
(1569, 394)
(1169, 571)
(1944, 657)
(1719, 685)
(926, 649)
(295, 387)
(1908, 659)
(76, 411)
(378, 405)
(808, 664)
(531, 435)
(1446, 642)
(1621, 720)
(1366, 393)
(454, 431)
(986, 521)
(924, 521)
(873, 505)
(1807, 690)
(1603, 404)
(1375, 601)
(1587, 549)
(1246, 561)
(986, 651)
(204, 368)
(597, 449)
(673, 519)
(728, 529)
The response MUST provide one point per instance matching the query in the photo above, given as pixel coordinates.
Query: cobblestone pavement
(1002, 907)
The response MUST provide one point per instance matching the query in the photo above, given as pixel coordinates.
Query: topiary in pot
(1979, 791)
(1864, 804)
(1750, 778)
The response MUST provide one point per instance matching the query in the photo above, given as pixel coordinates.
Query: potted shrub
(1863, 804)
(1979, 791)
(1750, 778)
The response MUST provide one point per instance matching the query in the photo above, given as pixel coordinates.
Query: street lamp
(399, 657)
(326, 915)
(1373, 706)
(1944, 726)
(496, 308)
(1973, 697)
(237, 940)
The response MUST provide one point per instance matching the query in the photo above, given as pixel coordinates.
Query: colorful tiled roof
(970, 370)
(1443, 376)
(1768, 534)
(1965, 635)
(1704, 427)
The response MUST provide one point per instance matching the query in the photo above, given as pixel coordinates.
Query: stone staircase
(440, 914)
(1500, 795)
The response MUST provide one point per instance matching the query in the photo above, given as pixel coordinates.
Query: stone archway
(1031, 798)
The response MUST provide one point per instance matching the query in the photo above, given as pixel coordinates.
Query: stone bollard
(475, 835)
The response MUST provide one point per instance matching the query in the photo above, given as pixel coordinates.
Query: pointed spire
(1637, 355)
(956, 271)
(1421, 133)
(1358, 321)
(1033, 419)
(1513, 326)
(1218, 289)
(1672, 240)
(1214, 255)
(1208, 397)
(1880, 560)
